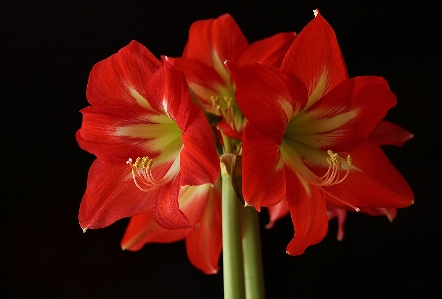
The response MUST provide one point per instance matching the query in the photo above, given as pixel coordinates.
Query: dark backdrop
(48, 50)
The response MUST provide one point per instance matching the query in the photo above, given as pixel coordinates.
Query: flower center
(143, 176)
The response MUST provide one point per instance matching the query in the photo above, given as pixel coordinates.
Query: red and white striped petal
(267, 97)
(344, 117)
(316, 59)
(223, 40)
(199, 160)
(122, 78)
(113, 131)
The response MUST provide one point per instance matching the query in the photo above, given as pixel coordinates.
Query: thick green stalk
(254, 278)
(233, 267)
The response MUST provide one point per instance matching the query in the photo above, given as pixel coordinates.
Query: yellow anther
(143, 162)
(349, 161)
(135, 165)
(334, 158)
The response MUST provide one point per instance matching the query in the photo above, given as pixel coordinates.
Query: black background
(48, 50)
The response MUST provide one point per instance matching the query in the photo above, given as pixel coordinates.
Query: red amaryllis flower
(300, 117)
(202, 205)
(210, 43)
(385, 133)
(142, 108)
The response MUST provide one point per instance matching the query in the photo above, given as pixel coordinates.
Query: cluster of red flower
(287, 107)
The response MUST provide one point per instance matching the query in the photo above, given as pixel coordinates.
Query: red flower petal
(199, 161)
(143, 229)
(204, 243)
(166, 211)
(340, 213)
(122, 77)
(373, 211)
(267, 97)
(316, 59)
(347, 115)
(111, 195)
(219, 37)
(263, 170)
(228, 131)
(387, 133)
(202, 79)
(372, 182)
(277, 211)
(99, 133)
(269, 51)
(308, 211)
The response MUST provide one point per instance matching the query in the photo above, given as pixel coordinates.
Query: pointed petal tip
(213, 271)
(84, 229)
(316, 12)
(123, 248)
(246, 204)
(294, 254)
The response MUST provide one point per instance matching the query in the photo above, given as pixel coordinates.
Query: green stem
(251, 244)
(233, 267)
(227, 144)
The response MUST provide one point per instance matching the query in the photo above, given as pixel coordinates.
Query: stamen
(215, 105)
(143, 177)
(331, 177)
(228, 113)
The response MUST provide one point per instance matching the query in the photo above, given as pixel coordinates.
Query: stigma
(333, 174)
(143, 177)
